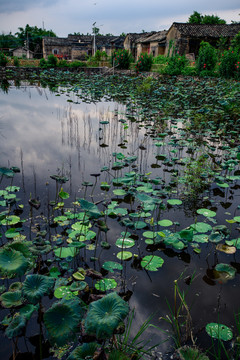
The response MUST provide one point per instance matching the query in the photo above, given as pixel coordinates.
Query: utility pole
(94, 40)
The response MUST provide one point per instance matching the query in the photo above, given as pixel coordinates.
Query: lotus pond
(119, 199)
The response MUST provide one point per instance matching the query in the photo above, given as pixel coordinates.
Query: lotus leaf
(219, 331)
(111, 266)
(119, 192)
(11, 233)
(106, 284)
(124, 255)
(226, 249)
(85, 351)
(234, 242)
(165, 222)
(230, 270)
(64, 292)
(65, 252)
(104, 315)
(15, 286)
(125, 243)
(28, 310)
(201, 227)
(11, 299)
(16, 326)
(90, 208)
(174, 202)
(152, 262)
(12, 263)
(35, 286)
(11, 220)
(191, 353)
(236, 218)
(80, 274)
(62, 321)
(63, 195)
(78, 286)
(206, 212)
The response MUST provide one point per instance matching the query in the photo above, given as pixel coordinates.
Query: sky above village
(68, 16)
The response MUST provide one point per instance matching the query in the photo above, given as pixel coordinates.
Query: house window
(55, 51)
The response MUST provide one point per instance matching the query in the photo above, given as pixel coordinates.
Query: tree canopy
(197, 18)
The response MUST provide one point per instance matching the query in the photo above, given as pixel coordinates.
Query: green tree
(31, 36)
(197, 18)
(8, 41)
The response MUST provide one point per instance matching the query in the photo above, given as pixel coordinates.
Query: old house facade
(78, 47)
(186, 38)
(153, 44)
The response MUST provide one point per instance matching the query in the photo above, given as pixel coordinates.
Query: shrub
(144, 62)
(3, 60)
(43, 63)
(62, 63)
(189, 71)
(75, 64)
(52, 61)
(207, 57)
(122, 59)
(160, 59)
(230, 62)
(175, 65)
(100, 55)
(16, 61)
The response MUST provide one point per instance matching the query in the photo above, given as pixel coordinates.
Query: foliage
(235, 43)
(176, 65)
(230, 64)
(197, 18)
(16, 61)
(32, 36)
(76, 64)
(100, 55)
(3, 60)
(144, 62)
(8, 41)
(51, 62)
(207, 58)
(121, 59)
(105, 315)
(160, 59)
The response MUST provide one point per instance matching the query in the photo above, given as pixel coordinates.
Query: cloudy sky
(69, 16)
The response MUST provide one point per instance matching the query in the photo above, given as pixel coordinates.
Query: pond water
(48, 133)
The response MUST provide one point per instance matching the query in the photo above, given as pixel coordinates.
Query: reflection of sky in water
(46, 134)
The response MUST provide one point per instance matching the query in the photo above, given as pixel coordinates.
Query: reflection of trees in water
(4, 85)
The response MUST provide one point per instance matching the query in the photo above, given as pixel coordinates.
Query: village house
(186, 38)
(79, 47)
(130, 42)
(153, 44)
(22, 52)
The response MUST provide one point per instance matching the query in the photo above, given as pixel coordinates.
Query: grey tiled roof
(157, 36)
(207, 30)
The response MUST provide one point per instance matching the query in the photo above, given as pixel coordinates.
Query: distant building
(153, 44)
(186, 38)
(22, 52)
(78, 47)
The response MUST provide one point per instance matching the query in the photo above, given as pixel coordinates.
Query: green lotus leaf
(191, 353)
(111, 266)
(140, 225)
(152, 262)
(11, 299)
(85, 351)
(201, 227)
(219, 331)
(16, 326)
(28, 310)
(174, 202)
(35, 286)
(226, 268)
(15, 286)
(104, 315)
(11, 233)
(165, 222)
(64, 292)
(54, 272)
(125, 243)
(124, 255)
(63, 195)
(7, 172)
(236, 218)
(119, 192)
(206, 212)
(90, 208)
(200, 238)
(12, 263)
(64, 252)
(62, 321)
(11, 220)
(105, 284)
(23, 247)
(13, 188)
(78, 286)
(234, 242)
(150, 234)
(80, 274)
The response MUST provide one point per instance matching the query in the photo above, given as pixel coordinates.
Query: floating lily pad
(11, 220)
(165, 222)
(206, 212)
(219, 331)
(226, 268)
(124, 255)
(80, 274)
(125, 243)
(11, 299)
(152, 262)
(111, 266)
(64, 292)
(106, 284)
(85, 351)
(201, 227)
(64, 252)
(119, 192)
(226, 249)
(12, 262)
(35, 286)
(16, 327)
(174, 202)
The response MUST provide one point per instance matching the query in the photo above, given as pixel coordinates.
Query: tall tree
(31, 36)
(197, 18)
(8, 41)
